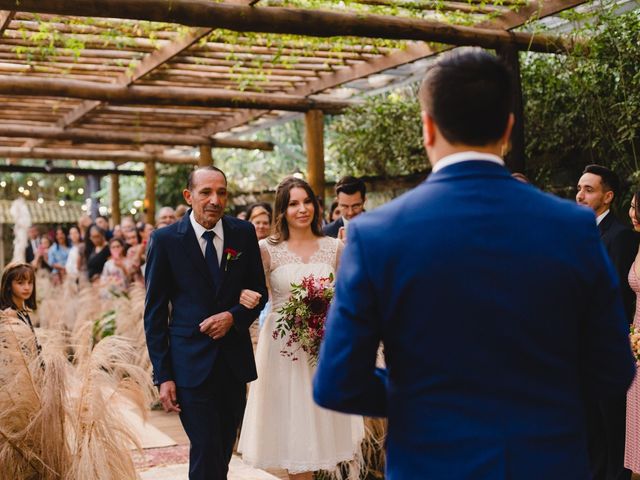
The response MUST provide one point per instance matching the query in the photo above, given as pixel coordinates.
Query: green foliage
(381, 137)
(172, 179)
(585, 108)
(103, 327)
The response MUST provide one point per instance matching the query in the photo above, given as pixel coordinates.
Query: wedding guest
(632, 437)
(259, 215)
(242, 215)
(58, 255)
(496, 324)
(41, 259)
(135, 254)
(84, 222)
(117, 232)
(18, 293)
(165, 216)
(181, 210)
(115, 273)
(282, 428)
(72, 266)
(103, 223)
(127, 223)
(597, 189)
(33, 244)
(351, 194)
(334, 211)
(96, 252)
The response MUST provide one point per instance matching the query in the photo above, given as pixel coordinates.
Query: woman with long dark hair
(96, 251)
(282, 427)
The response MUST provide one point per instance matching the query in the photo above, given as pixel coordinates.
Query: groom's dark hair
(468, 93)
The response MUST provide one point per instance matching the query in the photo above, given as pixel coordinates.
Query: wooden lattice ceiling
(41, 41)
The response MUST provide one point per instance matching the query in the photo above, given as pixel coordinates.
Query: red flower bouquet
(302, 318)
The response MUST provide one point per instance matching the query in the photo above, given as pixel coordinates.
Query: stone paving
(237, 471)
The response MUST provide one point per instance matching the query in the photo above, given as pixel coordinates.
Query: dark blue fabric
(177, 275)
(211, 258)
(498, 309)
(211, 414)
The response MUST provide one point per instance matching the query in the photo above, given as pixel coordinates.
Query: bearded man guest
(606, 418)
(197, 332)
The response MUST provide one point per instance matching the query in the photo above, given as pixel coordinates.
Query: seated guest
(181, 210)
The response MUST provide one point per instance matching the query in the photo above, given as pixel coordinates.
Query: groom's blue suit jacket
(180, 288)
(499, 311)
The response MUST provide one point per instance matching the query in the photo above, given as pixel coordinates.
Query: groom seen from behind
(495, 324)
(197, 331)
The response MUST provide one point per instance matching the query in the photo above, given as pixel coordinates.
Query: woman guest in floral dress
(632, 439)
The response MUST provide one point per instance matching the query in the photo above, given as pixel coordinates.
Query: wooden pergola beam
(39, 153)
(54, 170)
(317, 23)
(411, 53)
(127, 138)
(178, 96)
(5, 19)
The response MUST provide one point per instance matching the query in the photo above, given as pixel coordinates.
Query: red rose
(231, 251)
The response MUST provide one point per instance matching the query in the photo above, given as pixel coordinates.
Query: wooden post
(150, 193)
(92, 185)
(314, 134)
(515, 159)
(115, 198)
(206, 158)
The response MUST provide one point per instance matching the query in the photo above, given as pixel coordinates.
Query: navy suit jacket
(181, 294)
(622, 245)
(499, 311)
(332, 229)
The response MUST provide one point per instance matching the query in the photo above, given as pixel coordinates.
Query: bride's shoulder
(330, 242)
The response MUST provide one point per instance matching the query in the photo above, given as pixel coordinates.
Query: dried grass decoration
(59, 421)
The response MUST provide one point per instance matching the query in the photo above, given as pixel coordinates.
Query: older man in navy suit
(496, 304)
(197, 331)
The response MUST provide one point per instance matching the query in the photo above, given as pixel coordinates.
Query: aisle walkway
(170, 461)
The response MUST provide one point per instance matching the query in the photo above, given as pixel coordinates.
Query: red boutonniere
(231, 256)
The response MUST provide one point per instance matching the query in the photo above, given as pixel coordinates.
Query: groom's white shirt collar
(465, 157)
(218, 240)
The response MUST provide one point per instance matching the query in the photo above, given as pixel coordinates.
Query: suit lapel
(229, 242)
(605, 224)
(192, 248)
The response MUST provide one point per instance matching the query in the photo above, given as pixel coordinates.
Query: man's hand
(168, 396)
(249, 298)
(217, 326)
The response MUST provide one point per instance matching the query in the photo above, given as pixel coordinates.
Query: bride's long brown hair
(283, 195)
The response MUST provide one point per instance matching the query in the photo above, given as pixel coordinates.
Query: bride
(282, 426)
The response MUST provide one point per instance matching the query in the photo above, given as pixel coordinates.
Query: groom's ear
(428, 130)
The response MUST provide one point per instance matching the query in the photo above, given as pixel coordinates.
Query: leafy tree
(383, 136)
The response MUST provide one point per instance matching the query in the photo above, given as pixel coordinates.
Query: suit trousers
(211, 414)
(606, 426)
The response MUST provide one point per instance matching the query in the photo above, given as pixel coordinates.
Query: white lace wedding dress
(282, 427)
